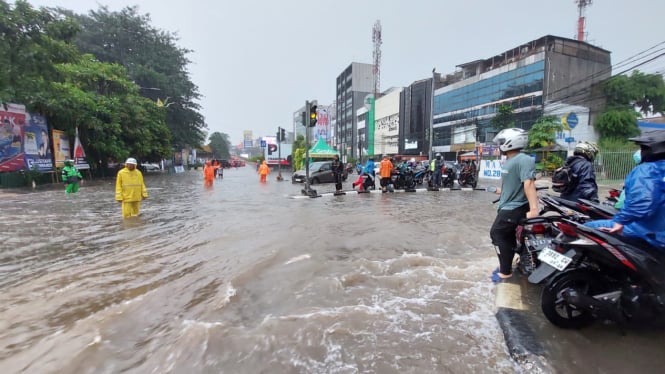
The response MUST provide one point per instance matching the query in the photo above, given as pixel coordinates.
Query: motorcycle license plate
(445, 175)
(554, 258)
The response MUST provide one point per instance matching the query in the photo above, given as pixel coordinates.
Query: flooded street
(241, 278)
(244, 279)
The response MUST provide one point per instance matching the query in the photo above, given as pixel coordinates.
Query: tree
(646, 92)
(298, 152)
(618, 124)
(153, 61)
(543, 132)
(504, 119)
(220, 145)
(114, 121)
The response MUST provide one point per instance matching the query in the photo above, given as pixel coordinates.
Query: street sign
(263, 143)
(570, 140)
(248, 144)
(572, 120)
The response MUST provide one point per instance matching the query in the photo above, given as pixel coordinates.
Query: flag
(79, 153)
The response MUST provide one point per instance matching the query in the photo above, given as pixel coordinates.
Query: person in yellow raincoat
(208, 174)
(130, 189)
(264, 170)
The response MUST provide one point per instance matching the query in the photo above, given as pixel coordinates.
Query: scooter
(598, 276)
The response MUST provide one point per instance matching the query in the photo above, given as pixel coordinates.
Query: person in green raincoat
(71, 177)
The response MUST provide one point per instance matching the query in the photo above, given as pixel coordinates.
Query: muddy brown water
(241, 278)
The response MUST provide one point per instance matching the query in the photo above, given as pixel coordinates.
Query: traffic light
(312, 116)
(282, 134)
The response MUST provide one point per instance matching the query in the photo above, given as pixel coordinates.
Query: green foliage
(153, 61)
(553, 162)
(504, 119)
(298, 159)
(298, 152)
(543, 132)
(220, 145)
(617, 124)
(643, 91)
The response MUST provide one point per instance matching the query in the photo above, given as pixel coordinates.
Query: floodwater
(242, 278)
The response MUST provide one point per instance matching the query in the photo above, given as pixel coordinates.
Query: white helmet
(131, 160)
(511, 139)
(587, 150)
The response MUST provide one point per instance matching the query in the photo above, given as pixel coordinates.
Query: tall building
(550, 75)
(353, 85)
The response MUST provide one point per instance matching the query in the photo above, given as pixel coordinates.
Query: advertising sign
(24, 141)
(61, 148)
(79, 154)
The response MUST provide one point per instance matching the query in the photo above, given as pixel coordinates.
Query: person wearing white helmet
(130, 189)
(518, 197)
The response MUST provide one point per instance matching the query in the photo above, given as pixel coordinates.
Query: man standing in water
(71, 177)
(338, 172)
(130, 189)
(519, 198)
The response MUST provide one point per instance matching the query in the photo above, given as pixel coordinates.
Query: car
(319, 172)
(150, 167)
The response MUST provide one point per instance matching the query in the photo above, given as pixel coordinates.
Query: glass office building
(551, 67)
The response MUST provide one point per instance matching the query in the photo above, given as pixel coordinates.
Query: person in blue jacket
(643, 212)
(581, 164)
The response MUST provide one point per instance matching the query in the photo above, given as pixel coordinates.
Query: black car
(319, 172)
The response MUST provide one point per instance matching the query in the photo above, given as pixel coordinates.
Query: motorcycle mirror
(539, 175)
(491, 189)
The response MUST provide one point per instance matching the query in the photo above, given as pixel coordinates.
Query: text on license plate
(555, 259)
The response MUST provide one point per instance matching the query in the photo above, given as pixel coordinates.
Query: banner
(79, 154)
(60, 148)
(24, 142)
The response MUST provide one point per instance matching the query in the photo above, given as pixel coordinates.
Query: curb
(522, 344)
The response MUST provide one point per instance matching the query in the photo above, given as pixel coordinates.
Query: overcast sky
(256, 62)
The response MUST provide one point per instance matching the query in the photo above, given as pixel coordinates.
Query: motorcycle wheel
(557, 310)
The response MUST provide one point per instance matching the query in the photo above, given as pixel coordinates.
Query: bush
(553, 162)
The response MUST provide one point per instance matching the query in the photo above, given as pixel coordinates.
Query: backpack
(564, 180)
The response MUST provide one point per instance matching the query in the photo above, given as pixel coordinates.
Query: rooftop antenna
(581, 7)
(376, 39)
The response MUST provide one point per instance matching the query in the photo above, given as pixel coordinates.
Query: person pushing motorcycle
(518, 200)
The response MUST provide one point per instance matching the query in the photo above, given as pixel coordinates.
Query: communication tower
(376, 39)
(581, 7)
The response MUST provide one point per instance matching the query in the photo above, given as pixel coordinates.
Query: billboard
(60, 147)
(24, 140)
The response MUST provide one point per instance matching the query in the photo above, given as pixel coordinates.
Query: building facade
(536, 78)
(386, 122)
(353, 85)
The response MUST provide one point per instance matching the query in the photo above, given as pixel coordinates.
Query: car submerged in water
(319, 172)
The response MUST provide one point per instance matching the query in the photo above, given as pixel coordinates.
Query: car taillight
(567, 229)
(615, 193)
(538, 228)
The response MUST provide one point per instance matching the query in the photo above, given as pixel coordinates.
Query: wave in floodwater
(240, 278)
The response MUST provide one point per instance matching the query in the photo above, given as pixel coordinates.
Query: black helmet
(652, 144)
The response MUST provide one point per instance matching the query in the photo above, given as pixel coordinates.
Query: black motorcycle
(467, 177)
(448, 177)
(423, 176)
(599, 276)
(403, 179)
(535, 234)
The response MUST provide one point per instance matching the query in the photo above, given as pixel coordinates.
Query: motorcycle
(535, 234)
(448, 177)
(423, 176)
(598, 276)
(467, 177)
(403, 179)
